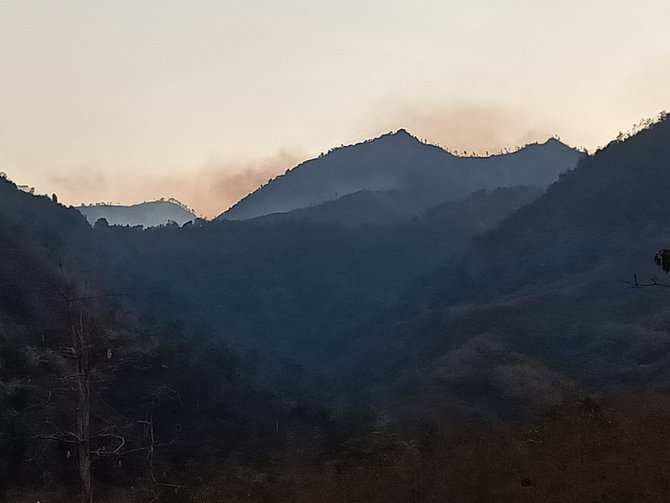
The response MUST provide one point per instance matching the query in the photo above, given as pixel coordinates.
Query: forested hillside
(543, 303)
(492, 347)
(162, 409)
(297, 286)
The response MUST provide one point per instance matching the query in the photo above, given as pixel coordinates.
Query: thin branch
(148, 447)
(121, 439)
(653, 282)
(58, 439)
(41, 404)
(72, 300)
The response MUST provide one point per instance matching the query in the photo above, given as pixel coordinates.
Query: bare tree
(80, 350)
(80, 373)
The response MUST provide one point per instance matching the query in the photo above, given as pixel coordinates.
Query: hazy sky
(203, 100)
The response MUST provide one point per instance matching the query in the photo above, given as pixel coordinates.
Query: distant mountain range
(418, 173)
(149, 214)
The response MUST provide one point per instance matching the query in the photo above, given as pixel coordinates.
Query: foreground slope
(400, 162)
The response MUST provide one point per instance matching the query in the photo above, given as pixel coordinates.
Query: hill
(400, 162)
(614, 201)
(540, 304)
(149, 214)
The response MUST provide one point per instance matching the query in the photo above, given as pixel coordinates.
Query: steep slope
(400, 162)
(149, 214)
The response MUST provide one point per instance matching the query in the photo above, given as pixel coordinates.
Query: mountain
(149, 214)
(400, 162)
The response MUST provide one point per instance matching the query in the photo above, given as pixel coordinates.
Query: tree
(101, 223)
(76, 414)
(80, 350)
(662, 259)
(78, 371)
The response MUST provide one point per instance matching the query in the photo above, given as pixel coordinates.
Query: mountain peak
(553, 141)
(403, 132)
(401, 135)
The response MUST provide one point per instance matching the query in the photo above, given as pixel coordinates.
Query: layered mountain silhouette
(148, 214)
(401, 163)
(352, 327)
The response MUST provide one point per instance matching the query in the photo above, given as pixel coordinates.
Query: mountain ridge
(400, 161)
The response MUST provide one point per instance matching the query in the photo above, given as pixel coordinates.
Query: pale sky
(203, 100)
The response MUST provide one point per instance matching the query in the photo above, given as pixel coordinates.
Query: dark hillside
(603, 211)
(163, 409)
(539, 303)
(297, 287)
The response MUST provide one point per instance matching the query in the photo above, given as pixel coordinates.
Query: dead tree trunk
(80, 348)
